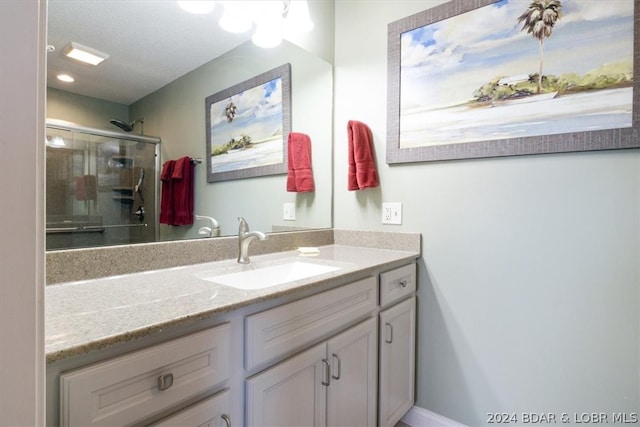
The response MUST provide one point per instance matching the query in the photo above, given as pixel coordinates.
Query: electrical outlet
(392, 213)
(289, 211)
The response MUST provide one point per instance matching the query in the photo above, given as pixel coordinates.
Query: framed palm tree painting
(487, 78)
(246, 127)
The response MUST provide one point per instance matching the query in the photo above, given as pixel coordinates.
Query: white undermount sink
(264, 277)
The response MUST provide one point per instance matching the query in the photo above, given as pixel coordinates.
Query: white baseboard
(420, 417)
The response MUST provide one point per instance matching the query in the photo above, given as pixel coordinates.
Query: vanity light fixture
(236, 17)
(65, 78)
(298, 19)
(269, 17)
(269, 21)
(198, 7)
(84, 54)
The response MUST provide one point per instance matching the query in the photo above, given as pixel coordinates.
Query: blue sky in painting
(444, 62)
(259, 114)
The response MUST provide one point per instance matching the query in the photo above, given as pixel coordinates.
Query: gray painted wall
(84, 110)
(529, 284)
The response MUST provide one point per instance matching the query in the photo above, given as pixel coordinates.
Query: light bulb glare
(198, 7)
(65, 78)
(234, 19)
(298, 19)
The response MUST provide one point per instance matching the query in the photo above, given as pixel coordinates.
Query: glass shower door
(101, 190)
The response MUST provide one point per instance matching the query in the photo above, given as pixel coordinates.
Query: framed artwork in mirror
(247, 126)
(487, 78)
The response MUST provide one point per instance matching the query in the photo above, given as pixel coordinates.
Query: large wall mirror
(166, 100)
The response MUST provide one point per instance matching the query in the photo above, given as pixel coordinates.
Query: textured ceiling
(149, 42)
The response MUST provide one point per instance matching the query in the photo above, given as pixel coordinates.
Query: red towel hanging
(299, 172)
(176, 207)
(362, 167)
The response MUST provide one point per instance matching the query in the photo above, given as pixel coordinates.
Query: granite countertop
(89, 315)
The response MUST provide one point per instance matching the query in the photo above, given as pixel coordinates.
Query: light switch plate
(289, 211)
(392, 213)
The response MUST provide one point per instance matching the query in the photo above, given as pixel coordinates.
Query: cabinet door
(397, 361)
(290, 394)
(211, 412)
(352, 392)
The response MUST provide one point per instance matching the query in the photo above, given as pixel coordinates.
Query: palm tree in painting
(230, 111)
(538, 20)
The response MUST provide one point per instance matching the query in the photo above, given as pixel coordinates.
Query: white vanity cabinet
(397, 344)
(331, 384)
(361, 376)
(131, 388)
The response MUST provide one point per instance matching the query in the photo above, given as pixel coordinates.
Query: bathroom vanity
(173, 347)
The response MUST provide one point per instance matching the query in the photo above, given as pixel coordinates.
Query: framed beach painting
(486, 78)
(247, 126)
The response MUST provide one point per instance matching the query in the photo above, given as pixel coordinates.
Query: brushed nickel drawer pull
(227, 419)
(328, 375)
(403, 283)
(389, 337)
(165, 381)
(337, 377)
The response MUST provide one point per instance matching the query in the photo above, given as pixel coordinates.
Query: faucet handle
(244, 227)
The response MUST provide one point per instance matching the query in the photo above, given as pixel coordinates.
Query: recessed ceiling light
(84, 54)
(55, 141)
(65, 78)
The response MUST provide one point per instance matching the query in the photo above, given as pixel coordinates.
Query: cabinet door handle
(165, 381)
(327, 375)
(403, 283)
(337, 377)
(227, 419)
(389, 338)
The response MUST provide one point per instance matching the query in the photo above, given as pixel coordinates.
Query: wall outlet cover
(392, 213)
(289, 211)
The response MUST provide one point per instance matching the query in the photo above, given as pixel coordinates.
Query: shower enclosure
(101, 187)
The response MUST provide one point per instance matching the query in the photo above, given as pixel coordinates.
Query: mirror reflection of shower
(101, 187)
(128, 127)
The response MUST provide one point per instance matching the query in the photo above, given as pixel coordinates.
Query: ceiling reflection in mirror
(162, 63)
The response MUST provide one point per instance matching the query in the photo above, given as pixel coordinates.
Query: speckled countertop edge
(72, 328)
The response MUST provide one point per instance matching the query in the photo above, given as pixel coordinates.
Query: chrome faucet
(244, 238)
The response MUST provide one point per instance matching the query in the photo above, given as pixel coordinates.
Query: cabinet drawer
(282, 330)
(210, 412)
(130, 388)
(397, 284)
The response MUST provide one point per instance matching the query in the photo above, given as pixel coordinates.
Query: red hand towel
(299, 173)
(91, 187)
(85, 187)
(182, 180)
(362, 168)
(166, 201)
(79, 188)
